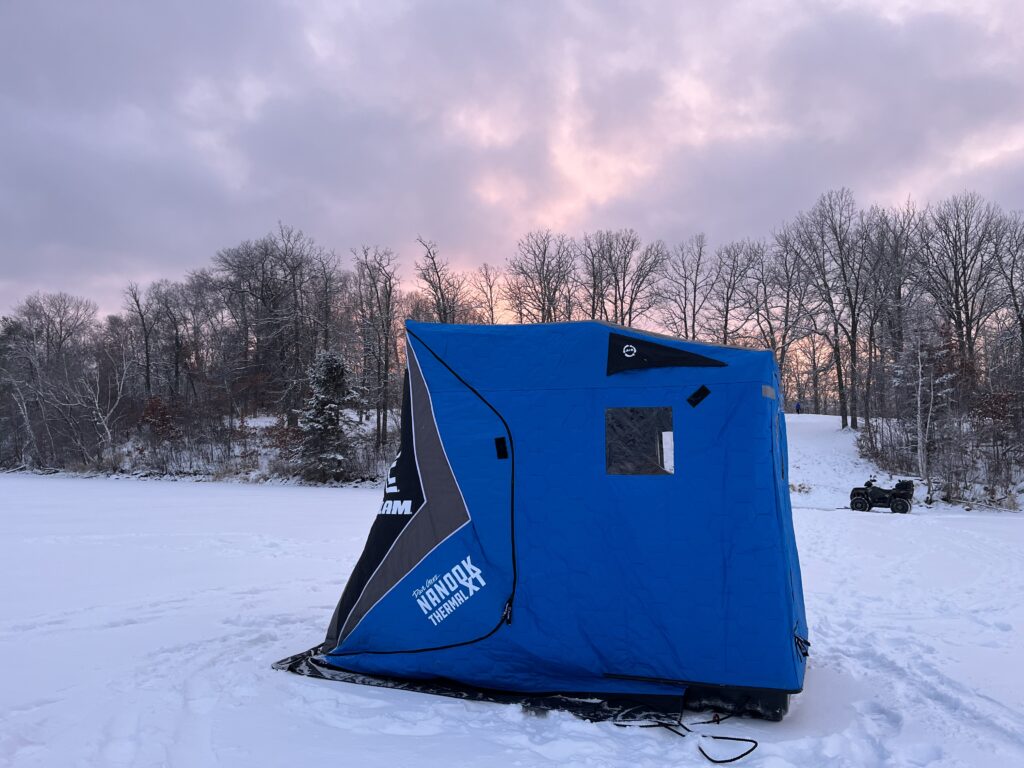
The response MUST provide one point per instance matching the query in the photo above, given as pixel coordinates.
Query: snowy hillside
(140, 619)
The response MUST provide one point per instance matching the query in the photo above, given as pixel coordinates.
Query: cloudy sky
(138, 138)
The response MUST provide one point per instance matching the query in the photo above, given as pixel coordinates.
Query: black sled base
(592, 707)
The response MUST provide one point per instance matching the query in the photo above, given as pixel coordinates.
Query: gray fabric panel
(442, 512)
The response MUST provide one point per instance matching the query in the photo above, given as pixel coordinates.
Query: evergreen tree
(326, 449)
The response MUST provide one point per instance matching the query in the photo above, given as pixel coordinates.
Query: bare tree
(925, 403)
(447, 289)
(594, 251)
(728, 312)
(890, 238)
(540, 277)
(1009, 264)
(618, 275)
(377, 307)
(168, 306)
(894, 272)
(959, 263)
(56, 320)
(486, 286)
(143, 310)
(685, 287)
(832, 249)
(776, 293)
(632, 269)
(97, 391)
(48, 345)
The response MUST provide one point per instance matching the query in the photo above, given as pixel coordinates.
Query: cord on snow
(677, 724)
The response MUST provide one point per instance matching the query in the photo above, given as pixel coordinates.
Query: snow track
(139, 620)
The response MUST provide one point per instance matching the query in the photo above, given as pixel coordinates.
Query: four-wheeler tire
(860, 504)
(899, 506)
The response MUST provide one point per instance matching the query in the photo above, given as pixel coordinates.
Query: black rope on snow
(716, 718)
(740, 756)
(672, 726)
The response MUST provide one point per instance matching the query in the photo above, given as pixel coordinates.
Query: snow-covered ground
(139, 619)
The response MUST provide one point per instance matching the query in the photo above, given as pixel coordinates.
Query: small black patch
(698, 396)
(501, 447)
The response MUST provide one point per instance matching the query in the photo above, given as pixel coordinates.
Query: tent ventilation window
(639, 441)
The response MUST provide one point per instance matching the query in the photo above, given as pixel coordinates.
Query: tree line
(906, 321)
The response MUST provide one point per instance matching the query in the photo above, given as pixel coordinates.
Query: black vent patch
(501, 447)
(629, 353)
(698, 396)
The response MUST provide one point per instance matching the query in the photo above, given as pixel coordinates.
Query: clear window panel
(639, 441)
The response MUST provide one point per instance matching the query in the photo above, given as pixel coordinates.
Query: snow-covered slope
(139, 620)
(917, 622)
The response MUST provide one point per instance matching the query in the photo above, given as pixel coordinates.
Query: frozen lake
(140, 618)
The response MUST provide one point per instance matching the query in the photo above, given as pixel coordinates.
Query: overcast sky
(136, 138)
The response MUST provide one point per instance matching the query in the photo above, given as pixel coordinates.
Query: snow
(140, 618)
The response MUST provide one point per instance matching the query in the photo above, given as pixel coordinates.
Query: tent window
(639, 441)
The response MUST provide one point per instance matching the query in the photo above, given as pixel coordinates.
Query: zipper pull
(802, 645)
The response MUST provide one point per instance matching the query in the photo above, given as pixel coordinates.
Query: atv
(898, 499)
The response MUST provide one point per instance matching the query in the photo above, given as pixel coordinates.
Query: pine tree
(326, 449)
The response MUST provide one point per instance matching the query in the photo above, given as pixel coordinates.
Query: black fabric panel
(629, 353)
(404, 483)
(698, 396)
(403, 495)
(443, 511)
(383, 533)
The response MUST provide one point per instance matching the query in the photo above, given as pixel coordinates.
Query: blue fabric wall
(691, 576)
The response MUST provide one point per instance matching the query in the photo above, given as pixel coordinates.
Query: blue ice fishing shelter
(580, 508)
